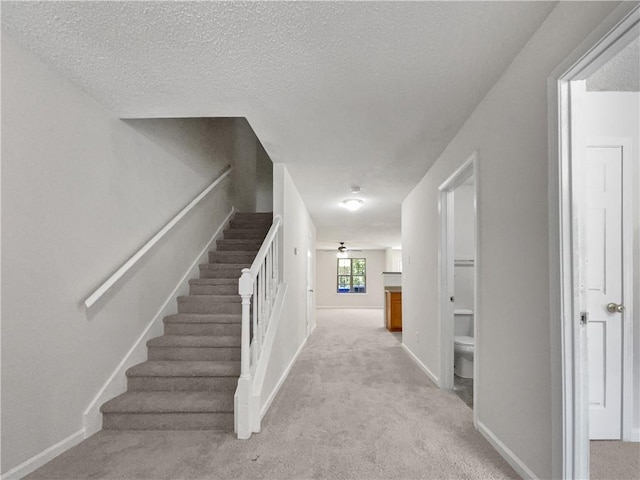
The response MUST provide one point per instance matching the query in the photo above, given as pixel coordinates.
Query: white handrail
(261, 282)
(111, 281)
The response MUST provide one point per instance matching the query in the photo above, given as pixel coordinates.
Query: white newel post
(243, 392)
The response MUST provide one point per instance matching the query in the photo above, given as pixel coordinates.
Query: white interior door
(603, 282)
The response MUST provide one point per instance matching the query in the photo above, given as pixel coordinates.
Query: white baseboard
(511, 458)
(116, 384)
(350, 308)
(635, 435)
(35, 462)
(423, 367)
(283, 377)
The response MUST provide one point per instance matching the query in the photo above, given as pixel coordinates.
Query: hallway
(354, 406)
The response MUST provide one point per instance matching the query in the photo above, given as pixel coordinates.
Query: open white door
(603, 257)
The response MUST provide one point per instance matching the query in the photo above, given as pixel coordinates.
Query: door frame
(446, 270)
(568, 338)
(309, 292)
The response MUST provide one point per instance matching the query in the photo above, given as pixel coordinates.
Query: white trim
(571, 459)
(111, 281)
(117, 382)
(446, 269)
(283, 377)
(349, 307)
(35, 462)
(512, 459)
(422, 366)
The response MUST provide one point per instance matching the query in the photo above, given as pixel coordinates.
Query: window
(352, 275)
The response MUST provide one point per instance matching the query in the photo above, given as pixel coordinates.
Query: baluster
(254, 339)
(270, 285)
(277, 251)
(262, 301)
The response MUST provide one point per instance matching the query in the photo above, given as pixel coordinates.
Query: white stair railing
(258, 286)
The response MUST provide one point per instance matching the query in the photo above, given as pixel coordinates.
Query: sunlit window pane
(352, 275)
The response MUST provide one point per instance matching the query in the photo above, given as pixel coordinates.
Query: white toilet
(463, 343)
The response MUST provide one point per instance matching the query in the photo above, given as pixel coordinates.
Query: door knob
(615, 308)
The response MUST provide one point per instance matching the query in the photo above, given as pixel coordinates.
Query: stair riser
(216, 271)
(194, 353)
(226, 329)
(245, 246)
(176, 384)
(168, 421)
(245, 234)
(214, 289)
(252, 222)
(231, 257)
(193, 306)
(253, 216)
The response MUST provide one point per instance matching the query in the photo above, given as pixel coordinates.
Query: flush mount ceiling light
(352, 204)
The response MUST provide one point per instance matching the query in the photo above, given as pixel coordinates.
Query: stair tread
(253, 216)
(240, 241)
(203, 318)
(185, 368)
(213, 281)
(211, 298)
(225, 266)
(196, 341)
(232, 253)
(170, 402)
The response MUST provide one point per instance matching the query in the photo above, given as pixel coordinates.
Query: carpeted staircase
(189, 380)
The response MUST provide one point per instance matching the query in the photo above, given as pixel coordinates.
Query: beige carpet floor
(612, 460)
(354, 406)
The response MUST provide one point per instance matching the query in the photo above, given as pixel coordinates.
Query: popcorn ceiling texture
(620, 74)
(343, 93)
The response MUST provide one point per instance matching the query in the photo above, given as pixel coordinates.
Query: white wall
(617, 114)
(509, 130)
(253, 172)
(464, 244)
(264, 181)
(326, 280)
(244, 174)
(81, 192)
(464, 218)
(299, 237)
(393, 260)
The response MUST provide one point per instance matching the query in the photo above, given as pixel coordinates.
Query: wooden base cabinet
(393, 311)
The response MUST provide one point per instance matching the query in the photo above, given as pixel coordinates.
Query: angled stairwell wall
(81, 191)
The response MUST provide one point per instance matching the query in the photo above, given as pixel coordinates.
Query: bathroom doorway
(458, 282)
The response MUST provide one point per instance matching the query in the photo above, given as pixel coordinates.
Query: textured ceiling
(343, 93)
(620, 74)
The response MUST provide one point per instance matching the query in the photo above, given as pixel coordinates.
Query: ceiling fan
(343, 250)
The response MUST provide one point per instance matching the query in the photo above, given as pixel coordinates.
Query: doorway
(310, 307)
(598, 212)
(458, 282)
